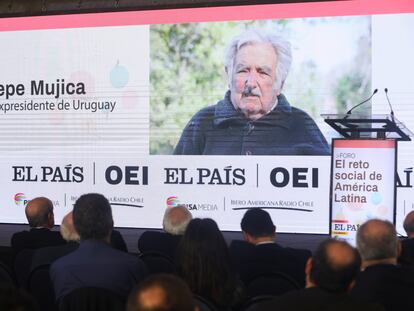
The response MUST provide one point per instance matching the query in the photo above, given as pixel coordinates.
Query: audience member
(161, 292)
(329, 276)
(203, 261)
(47, 255)
(260, 254)
(175, 222)
(39, 213)
(117, 241)
(407, 245)
(67, 229)
(14, 299)
(381, 279)
(95, 263)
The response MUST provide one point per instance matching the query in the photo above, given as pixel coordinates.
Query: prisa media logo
(172, 201)
(20, 199)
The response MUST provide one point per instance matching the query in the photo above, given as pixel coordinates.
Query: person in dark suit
(406, 257)
(13, 299)
(175, 222)
(117, 241)
(329, 276)
(381, 280)
(260, 254)
(39, 213)
(47, 255)
(95, 263)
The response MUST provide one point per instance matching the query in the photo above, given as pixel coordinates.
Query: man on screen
(254, 118)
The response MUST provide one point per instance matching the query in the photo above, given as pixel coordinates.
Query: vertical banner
(362, 184)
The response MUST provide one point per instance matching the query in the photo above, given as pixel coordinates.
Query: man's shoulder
(151, 237)
(49, 254)
(47, 236)
(106, 253)
(379, 278)
(157, 235)
(155, 241)
(43, 236)
(304, 130)
(300, 252)
(303, 299)
(389, 285)
(407, 252)
(18, 240)
(69, 257)
(276, 248)
(299, 114)
(387, 272)
(238, 245)
(118, 242)
(240, 249)
(222, 109)
(204, 114)
(19, 235)
(152, 233)
(316, 299)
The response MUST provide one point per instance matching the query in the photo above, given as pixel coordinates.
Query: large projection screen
(98, 103)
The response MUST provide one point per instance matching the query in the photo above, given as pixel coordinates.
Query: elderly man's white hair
(176, 219)
(67, 229)
(249, 37)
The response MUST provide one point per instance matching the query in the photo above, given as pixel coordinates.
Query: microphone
(389, 103)
(363, 102)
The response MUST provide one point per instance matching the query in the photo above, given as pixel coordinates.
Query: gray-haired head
(254, 36)
(67, 229)
(176, 219)
(377, 240)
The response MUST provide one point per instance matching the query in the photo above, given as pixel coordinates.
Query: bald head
(176, 219)
(67, 229)
(152, 297)
(377, 240)
(334, 266)
(39, 213)
(409, 224)
(161, 292)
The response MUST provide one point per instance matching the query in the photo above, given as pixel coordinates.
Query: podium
(358, 126)
(363, 170)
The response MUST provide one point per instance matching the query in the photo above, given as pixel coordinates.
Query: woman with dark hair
(203, 261)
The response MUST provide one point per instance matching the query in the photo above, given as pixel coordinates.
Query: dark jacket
(255, 260)
(389, 285)
(160, 242)
(117, 241)
(222, 130)
(96, 264)
(35, 238)
(316, 299)
(47, 255)
(407, 252)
